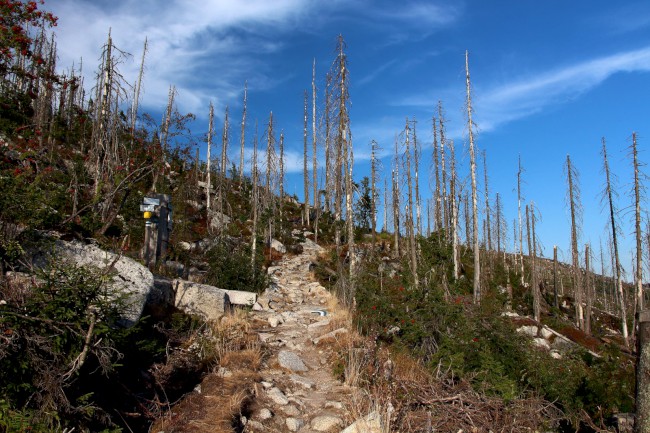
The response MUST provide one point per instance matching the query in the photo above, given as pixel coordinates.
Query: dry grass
(224, 398)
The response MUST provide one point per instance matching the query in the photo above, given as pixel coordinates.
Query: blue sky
(549, 78)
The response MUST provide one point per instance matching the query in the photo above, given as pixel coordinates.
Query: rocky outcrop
(130, 280)
(240, 297)
(209, 302)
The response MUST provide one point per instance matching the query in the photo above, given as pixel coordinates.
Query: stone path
(298, 392)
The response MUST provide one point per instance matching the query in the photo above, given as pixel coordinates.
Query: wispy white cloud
(186, 40)
(531, 95)
(525, 96)
(376, 72)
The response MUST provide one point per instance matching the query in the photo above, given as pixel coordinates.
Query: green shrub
(230, 267)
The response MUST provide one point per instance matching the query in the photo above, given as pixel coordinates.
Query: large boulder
(130, 279)
(207, 301)
(240, 297)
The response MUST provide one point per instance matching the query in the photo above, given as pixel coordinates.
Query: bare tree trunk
(314, 152)
(487, 204)
(385, 225)
(536, 294)
(208, 179)
(136, 92)
(637, 227)
(445, 208)
(396, 214)
(255, 199)
(588, 289)
(281, 181)
(521, 230)
(416, 161)
(224, 146)
(609, 192)
(436, 167)
(454, 210)
(574, 197)
(555, 291)
(328, 143)
(242, 136)
(305, 172)
(373, 180)
(409, 213)
(472, 157)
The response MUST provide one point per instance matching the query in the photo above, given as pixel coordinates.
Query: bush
(230, 267)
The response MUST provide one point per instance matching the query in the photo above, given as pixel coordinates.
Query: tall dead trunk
(555, 280)
(437, 212)
(638, 234)
(409, 212)
(314, 152)
(373, 188)
(225, 138)
(454, 210)
(609, 194)
(521, 230)
(305, 172)
(136, 92)
(255, 193)
(445, 207)
(533, 272)
(242, 135)
(574, 204)
(472, 158)
(416, 161)
(588, 289)
(208, 174)
(488, 234)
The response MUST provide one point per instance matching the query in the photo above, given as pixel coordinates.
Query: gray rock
(131, 279)
(218, 220)
(302, 381)
(291, 410)
(540, 342)
(530, 330)
(253, 426)
(294, 424)
(311, 245)
(264, 414)
(274, 321)
(370, 424)
(291, 361)
(546, 333)
(278, 246)
(202, 299)
(326, 423)
(240, 297)
(277, 396)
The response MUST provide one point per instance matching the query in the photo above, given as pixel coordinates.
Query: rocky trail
(298, 391)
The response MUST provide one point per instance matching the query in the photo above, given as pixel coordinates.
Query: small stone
(291, 410)
(334, 405)
(265, 414)
(302, 381)
(555, 354)
(291, 361)
(326, 423)
(540, 342)
(266, 384)
(254, 426)
(277, 396)
(370, 424)
(294, 424)
(274, 321)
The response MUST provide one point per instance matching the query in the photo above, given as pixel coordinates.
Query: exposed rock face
(240, 297)
(218, 220)
(130, 277)
(202, 299)
(326, 423)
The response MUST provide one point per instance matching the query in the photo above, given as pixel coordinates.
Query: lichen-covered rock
(130, 280)
(207, 301)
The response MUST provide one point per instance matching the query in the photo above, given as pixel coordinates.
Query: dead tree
(588, 289)
(573, 197)
(242, 135)
(487, 205)
(445, 209)
(136, 92)
(305, 172)
(521, 242)
(472, 158)
(281, 170)
(533, 272)
(638, 234)
(609, 194)
(453, 182)
(416, 162)
(373, 181)
(225, 138)
(314, 152)
(437, 212)
(255, 199)
(410, 227)
(208, 179)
